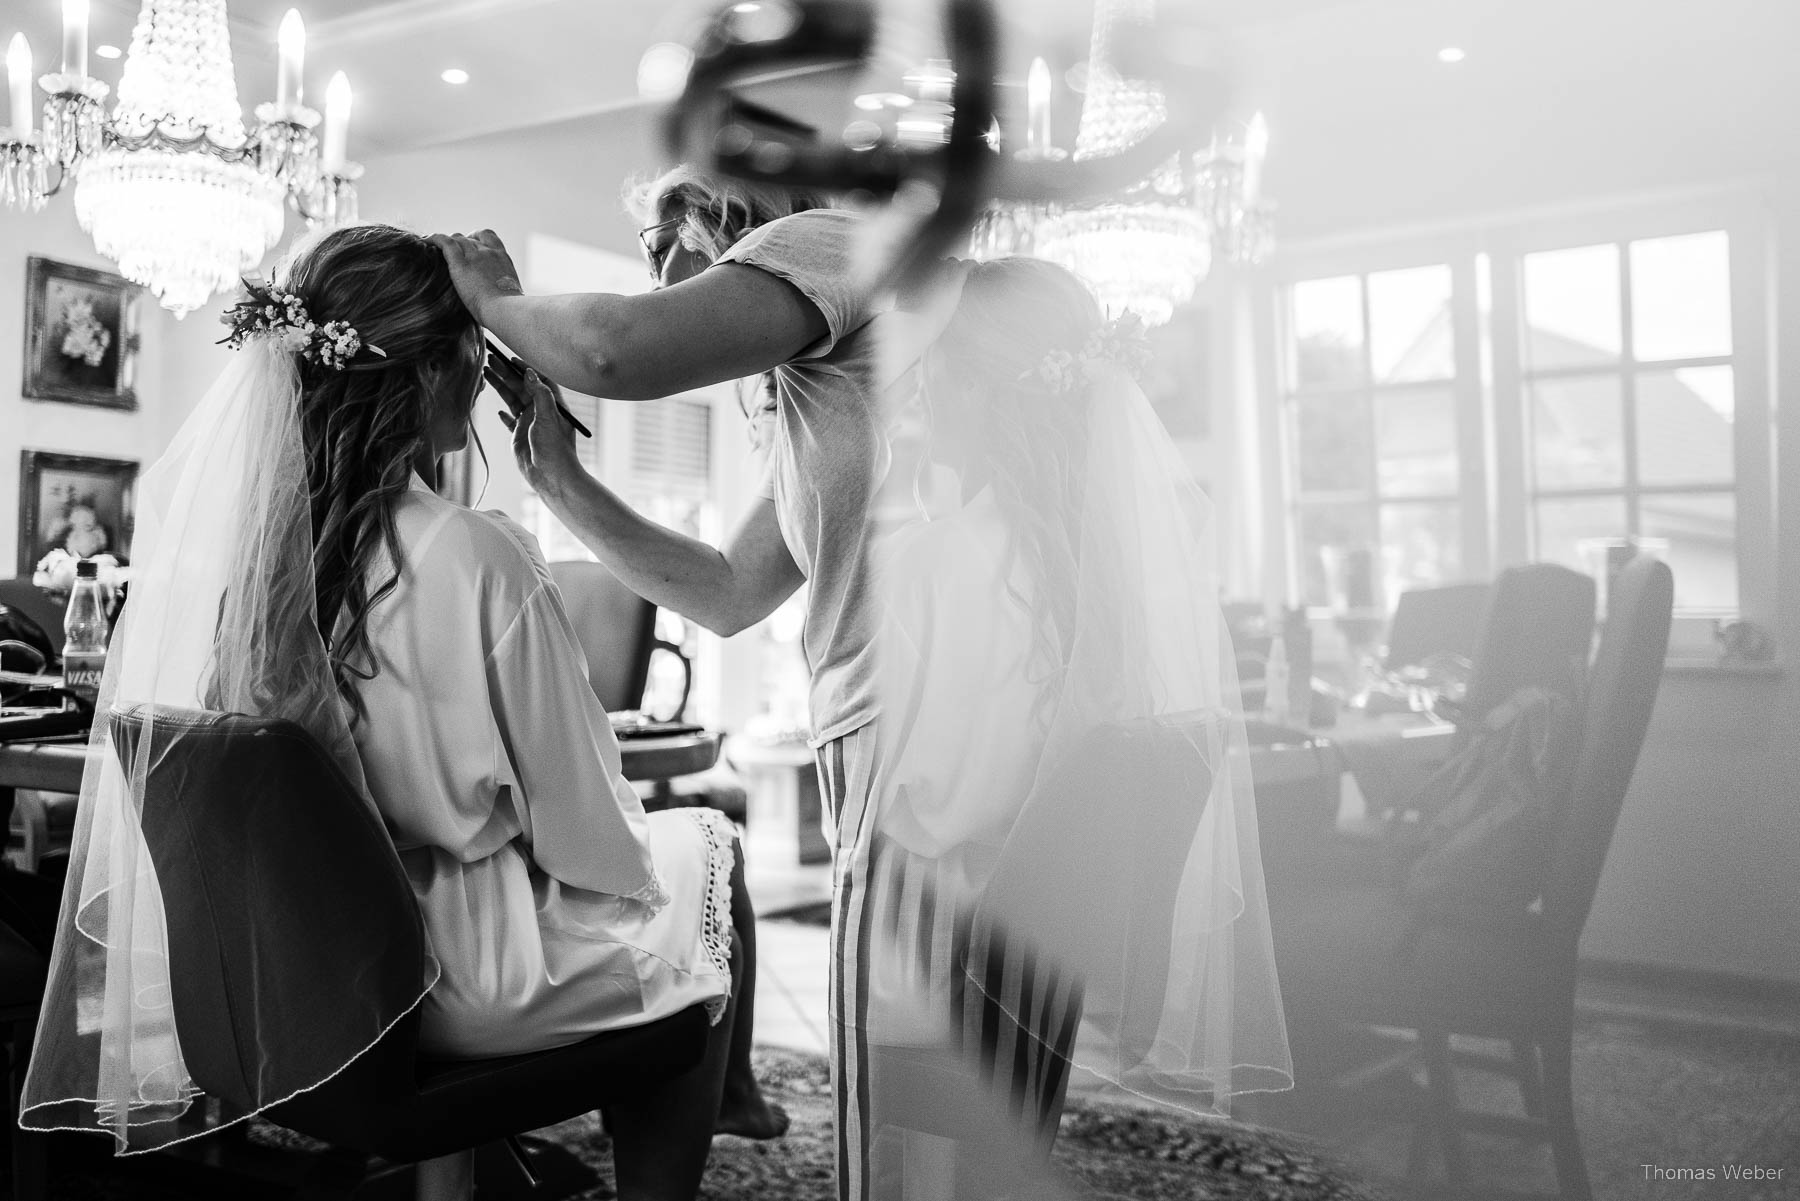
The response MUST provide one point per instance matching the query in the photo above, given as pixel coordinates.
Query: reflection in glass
(1701, 530)
(1416, 437)
(1684, 426)
(1421, 546)
(1334, 437)
(1331, 539)
(1564, 523)
(1578, 432)
(1681, 296)
(1410, 332)
(1572, 307)
(1328, 331)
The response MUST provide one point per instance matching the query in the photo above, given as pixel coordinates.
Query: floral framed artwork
(76, 504)
(81, 335)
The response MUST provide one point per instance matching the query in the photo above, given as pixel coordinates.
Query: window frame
(1493, 442)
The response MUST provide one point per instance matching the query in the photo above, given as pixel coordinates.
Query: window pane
(1563, 525)
(1572, 307)
(1416, 433)
(1328, 331)
(1578, 432)
(1421, 547)
(1410, 334)
(1684, 426)
(1681, 296)
(1702, 534)
(1334, 437)
(1337, 548)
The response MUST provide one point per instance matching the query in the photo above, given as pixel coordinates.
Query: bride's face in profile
(447, 429)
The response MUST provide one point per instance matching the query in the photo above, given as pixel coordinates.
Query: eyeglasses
(656, 254)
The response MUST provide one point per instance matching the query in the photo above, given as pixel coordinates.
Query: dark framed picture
(81, 335)
(74, 503)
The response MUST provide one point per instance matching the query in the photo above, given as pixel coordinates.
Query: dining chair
(1538, 632)
(617, 631)
(280, 883)
(1433, 622)
(1355, 956)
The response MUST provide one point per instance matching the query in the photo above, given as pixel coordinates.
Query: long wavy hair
(365, 427)
(1029, 438)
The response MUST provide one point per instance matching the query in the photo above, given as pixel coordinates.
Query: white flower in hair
(268, 312)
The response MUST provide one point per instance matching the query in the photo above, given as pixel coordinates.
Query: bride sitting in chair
(300, 567)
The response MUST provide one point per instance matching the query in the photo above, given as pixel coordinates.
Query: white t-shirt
(824, 432)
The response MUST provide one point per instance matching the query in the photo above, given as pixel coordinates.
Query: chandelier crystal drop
(185, 223)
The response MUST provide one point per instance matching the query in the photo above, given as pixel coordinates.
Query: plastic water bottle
(85, 632)
(1275, 683)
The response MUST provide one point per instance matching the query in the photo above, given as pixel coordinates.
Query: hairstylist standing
(745, 285)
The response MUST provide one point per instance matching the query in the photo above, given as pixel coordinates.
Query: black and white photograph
(903, 600)
(81, 335)
(78, 504)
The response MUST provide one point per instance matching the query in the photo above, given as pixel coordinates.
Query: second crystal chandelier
(1147, 248)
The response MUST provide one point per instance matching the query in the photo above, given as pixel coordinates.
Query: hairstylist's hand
(543, 443)
(480, 267)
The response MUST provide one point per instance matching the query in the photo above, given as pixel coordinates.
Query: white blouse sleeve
(584, 824)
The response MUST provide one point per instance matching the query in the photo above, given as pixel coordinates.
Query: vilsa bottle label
(81, 673)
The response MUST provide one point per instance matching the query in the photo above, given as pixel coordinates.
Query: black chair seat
(462, 1102)
(239, 813)
(1355, 953)
(22, 968)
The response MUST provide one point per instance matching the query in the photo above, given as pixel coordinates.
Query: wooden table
(57, 767)
(1299, 781)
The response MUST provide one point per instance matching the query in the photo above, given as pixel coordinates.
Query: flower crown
(267, 312)
(1123, 340)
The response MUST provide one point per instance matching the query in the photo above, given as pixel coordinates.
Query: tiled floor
(792, 959)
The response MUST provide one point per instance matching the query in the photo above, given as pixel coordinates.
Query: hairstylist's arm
(726, 323)
(724, 590)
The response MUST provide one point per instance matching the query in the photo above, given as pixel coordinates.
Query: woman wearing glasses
(749, 282)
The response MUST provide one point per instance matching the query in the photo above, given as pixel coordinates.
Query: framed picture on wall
(75, 503)
(81, 335)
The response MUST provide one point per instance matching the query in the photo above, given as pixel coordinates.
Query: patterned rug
(1106, 1152)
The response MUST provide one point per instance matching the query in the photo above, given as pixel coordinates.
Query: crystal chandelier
(171, 184)
(1146, 248)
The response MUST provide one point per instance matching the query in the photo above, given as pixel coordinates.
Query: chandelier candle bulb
(1037, 109)
(75, 38)
(1256, 148)
(290, 71)
(18, 78)
(337, 124)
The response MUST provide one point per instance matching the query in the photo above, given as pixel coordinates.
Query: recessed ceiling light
(109, 51)
(746, 8)
(663, 71)
(455, 75)
(1451, 54)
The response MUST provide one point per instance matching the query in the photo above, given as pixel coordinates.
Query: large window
(1372, 402)
(1627, 369)
(1529, 392)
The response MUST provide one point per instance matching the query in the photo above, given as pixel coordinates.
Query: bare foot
(750, 1115)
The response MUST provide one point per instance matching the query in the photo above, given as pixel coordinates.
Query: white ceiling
(529, 61)
(1352, 87)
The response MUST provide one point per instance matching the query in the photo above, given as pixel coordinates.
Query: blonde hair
(718, 210)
